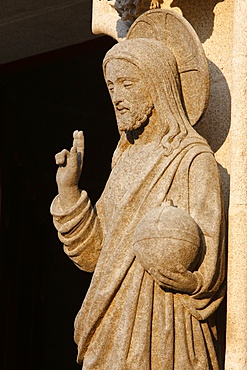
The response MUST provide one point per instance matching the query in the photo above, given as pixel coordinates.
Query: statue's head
(142, 76)
(129, 93)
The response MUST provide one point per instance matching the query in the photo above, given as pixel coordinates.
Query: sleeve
(206, 208)
(80, 231)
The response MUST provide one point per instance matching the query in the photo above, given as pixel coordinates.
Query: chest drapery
(126, 320)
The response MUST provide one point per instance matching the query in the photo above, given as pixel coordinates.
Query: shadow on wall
(200, 14)
(214, 126)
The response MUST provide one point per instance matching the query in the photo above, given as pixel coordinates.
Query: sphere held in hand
(166, 238)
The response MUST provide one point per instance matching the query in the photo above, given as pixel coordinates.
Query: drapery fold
(126, 320)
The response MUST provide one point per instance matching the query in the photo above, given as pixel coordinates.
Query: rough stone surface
(106, 20)
(236, 352)
(167, 237)
(138, 316)
(114, 18)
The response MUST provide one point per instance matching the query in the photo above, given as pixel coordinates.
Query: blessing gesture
(69, 171)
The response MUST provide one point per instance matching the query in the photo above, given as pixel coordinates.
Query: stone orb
(166, 238)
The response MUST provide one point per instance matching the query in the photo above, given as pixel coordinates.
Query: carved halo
(178, 35)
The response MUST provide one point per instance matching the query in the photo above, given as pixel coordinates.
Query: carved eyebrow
(122, 79)
(132, 79)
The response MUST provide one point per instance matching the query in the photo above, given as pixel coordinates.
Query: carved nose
(116, 99)
(116, 96)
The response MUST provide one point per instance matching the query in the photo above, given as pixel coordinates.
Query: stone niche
(220, 25)
(221, 30)
(213, 22)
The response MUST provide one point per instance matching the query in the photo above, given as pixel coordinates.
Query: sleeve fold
(79, 230)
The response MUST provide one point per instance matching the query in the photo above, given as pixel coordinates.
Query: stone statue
(114, 17)
(132, 9)
(155, 238)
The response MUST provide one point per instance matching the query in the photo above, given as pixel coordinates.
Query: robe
(127, 321)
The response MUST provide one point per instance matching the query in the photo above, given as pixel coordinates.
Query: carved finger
(160, 279)
(75, 134)
(167, 275)
(168, 278)
(73, 156)
(156, 275)
(61, 157)
(78, 141)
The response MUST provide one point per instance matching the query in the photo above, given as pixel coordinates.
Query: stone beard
(134, 118)
(135, 317)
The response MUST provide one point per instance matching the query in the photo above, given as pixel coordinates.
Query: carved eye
(110, 87)
(128, 84)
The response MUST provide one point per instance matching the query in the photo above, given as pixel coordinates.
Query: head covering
(159, 69)
(174, 32)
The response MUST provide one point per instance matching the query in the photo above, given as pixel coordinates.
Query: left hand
(182, 280)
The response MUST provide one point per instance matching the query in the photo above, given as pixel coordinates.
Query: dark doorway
(43, 100)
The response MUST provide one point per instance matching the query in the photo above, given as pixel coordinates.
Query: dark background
(43, 100)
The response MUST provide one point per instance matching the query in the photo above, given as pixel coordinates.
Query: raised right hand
(69, 170)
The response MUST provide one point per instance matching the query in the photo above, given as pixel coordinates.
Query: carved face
(130, 97)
